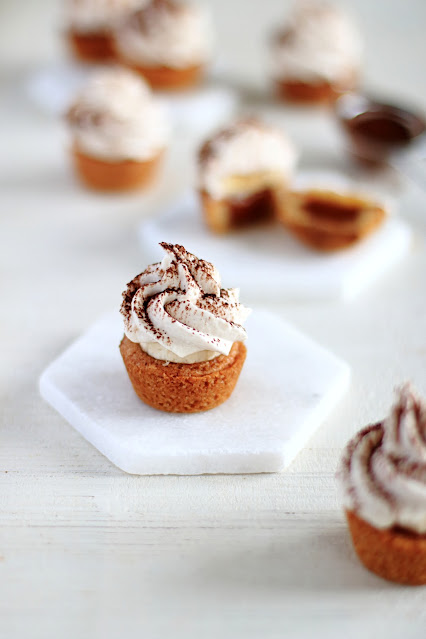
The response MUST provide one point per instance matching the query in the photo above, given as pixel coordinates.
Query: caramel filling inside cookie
(328, 210)
(328, 220)
(254, 208)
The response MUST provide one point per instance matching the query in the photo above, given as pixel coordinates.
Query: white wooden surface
(88, 551)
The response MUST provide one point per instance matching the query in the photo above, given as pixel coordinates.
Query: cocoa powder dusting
(217, 305)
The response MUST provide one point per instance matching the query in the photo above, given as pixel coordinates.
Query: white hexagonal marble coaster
(288, 385)
(270, 264)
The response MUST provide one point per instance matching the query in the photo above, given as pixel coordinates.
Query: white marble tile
(267, 263)
(287, 387)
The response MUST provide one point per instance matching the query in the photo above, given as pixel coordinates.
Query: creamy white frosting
(91, 16)
(245, 148)
(319, 43)
(383, 469)
(177, 311)
(166, 33)
(115, 117)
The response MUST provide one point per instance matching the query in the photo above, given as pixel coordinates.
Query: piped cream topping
(318, 43)
(93, 16)
(383, 469)
(177, 311)
(166, 33)
(115, 117)
(247, 147)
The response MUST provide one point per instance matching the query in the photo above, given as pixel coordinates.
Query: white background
(88, 551)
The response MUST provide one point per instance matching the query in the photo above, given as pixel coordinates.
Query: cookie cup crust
(167, 78)
(299, 92)
(124, 175)
(393, 555)
(215, 213)
(182, 388)
(321, 240)
(91, 47)
(330, 235)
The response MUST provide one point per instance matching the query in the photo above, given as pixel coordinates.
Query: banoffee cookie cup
(329, 219)
(382, 477)
(167, 42)
(244, 171)
(183, 344)
(316, 55)
(89, 26)
(119, 132)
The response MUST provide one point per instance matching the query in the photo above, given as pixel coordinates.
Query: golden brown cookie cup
(329, 221)
(298, 92)
(92, 47)
(395, 555)
(167, 78)
(182, 388)
(124, 175)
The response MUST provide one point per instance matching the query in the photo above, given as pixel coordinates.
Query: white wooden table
(88, 551)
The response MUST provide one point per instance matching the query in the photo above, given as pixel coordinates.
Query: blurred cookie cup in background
(327, 211)
(168, 42)
(244, 172)
(119, 131)
(89, 24)
(316, 55)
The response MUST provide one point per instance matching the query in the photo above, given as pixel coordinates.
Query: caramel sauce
(375, 128)
(252, 209)
(382, 126)
(321, 208)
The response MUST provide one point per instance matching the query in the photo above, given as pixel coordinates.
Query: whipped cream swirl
(93, 16)
(178, 312)
(245, 148)
(166, 33)
(319, 43)
(115, 117)
(383, 469)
